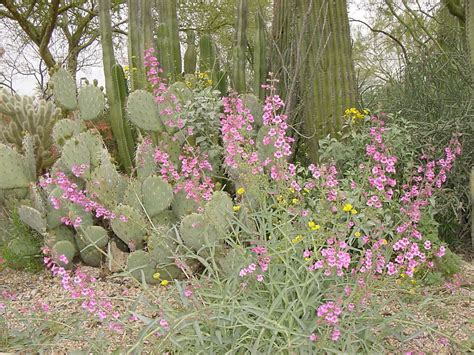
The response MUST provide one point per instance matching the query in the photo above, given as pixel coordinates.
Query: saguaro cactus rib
(238, 55)
(120, 127)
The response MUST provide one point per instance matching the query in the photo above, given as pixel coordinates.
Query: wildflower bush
(287, 259)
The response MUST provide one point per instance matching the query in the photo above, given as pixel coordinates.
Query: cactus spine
(239, 55)
(260, 57)
(120, 127)
(190, 56)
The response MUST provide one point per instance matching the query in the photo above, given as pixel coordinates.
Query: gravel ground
(37, 306)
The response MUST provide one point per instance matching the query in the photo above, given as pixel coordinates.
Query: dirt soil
(68, 327)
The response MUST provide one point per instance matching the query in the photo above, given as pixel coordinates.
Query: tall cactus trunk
(240, 46)
(190, 56)
(260, 57)
(120, 128)
(148, 25)
(209, 62)
(168, 38)
(321, 65)
(469, 4)
(136, 43)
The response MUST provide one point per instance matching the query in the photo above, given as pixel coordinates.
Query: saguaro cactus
(320, 68)
(260, 57)
(120, 127)
(238, 55)
(190, 56)
(136, 43)
(470, 34)
(168, 38)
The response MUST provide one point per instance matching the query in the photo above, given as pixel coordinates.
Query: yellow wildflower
(313, 226)
(240, 191)
(357, 234)
(295, 201)
(164, 282)
(297, 239)
(347, 207)
(236, 208)
(384, 242)
(209, 82)
(413, 282)
(354, 211)
(156, 275)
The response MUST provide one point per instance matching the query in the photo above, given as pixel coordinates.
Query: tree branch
(396, 40)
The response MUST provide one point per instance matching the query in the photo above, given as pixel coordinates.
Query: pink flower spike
(313, 337)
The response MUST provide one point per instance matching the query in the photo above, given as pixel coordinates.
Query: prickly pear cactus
(141, 266)
(144, 160)
(182, 206)
(65, 129)
(63, 248)
(129, 226)
(91, 241)
(91, 102)
(197, 232)
(13, 173)
(64, 89)
(218, 210)
(157, 195)
(32, 218)
(143, 111)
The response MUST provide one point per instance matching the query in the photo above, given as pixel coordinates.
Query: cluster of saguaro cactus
(116, 88)
(20, 115)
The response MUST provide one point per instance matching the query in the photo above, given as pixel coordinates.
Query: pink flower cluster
(192, 178)
(263, 260)
(325, 177)
(160, 90)
(416, 196)
(80, 285)
(277, 137)
(153, 72)
(329, 312)
(335, 257)
(72, 193)
(237, 131)
(384, 164)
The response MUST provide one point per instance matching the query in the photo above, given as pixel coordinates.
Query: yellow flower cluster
(354, 114)
(297, 239)
(157, 276)
(199, 79)
(313, 226)
(349, 208)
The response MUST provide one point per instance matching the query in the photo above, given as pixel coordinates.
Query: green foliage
(433, 97)
(19, 245)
